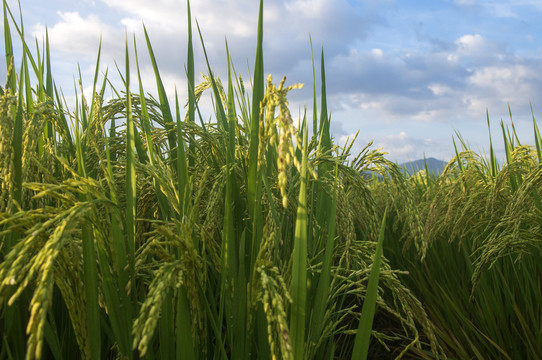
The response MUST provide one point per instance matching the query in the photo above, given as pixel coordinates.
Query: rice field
(134, 228)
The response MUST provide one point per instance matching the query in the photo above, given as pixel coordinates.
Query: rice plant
(130, 231)
(134, 228)
(479, 272)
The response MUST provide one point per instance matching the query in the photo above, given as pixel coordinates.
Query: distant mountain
(434, 166)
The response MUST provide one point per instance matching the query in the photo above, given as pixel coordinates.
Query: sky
(406, 74)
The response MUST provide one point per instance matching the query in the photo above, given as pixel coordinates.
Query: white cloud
(493, 76)
(440, 89)
(465, 2)
(403, 147)
(377, 53)
(166, 13)
(507, 83)
(399, 147)
(220, 18)
(377, 66)
(310, 8)
(75, 34)
(453, 58)
(503, 11)
(132, 25)
(471, 43)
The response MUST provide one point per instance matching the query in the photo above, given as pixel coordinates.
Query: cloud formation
(405, 73)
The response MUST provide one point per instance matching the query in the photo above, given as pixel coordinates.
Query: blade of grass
(459, 161)
(50, 334)
(145, 122)
(115, 278)
(7, 38)
(508, 147)
(514, 133)
(164, 104)
(185, 348)
(40, 72)
(229, 258)
(27, 86)
(314, 104)
(67, 133)
(14, 315)
(315, 132)
(183, 333)
(90, 275)
(492, 157)
(8, 47)
(130, 177)
(182, 166)
(191, 83)
(257, 97)
(322, 290)
(118, 300)
(17, 148)
(146, 125)
(84, 110)
(90, 272)
(325, 136)
(167, 347)
(118, 305)
(48, 85)
(48, 76)
(28, 91)
(537, 138)
(298, 287)
(363, 336)
(220, 113)
(323, 201)
(96, 72)
(80, 154)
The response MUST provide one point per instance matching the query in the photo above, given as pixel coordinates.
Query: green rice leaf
(182, 165)
(220, 113)
(537, 138)
(90, 274)
(257, 97)
(17, 146)
(8, 48)
(130, 175)
(365, 327)
(164, 104)
(191, 83)
(493, 159)
(298, 286)
(322, 291)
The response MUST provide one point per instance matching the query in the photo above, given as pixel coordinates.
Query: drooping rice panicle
(126, 232)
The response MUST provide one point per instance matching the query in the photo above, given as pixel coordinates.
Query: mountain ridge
(434, 166)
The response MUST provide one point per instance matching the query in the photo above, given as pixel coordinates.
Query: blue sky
(406, 74)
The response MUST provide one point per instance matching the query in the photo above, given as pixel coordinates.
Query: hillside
(434, 166)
